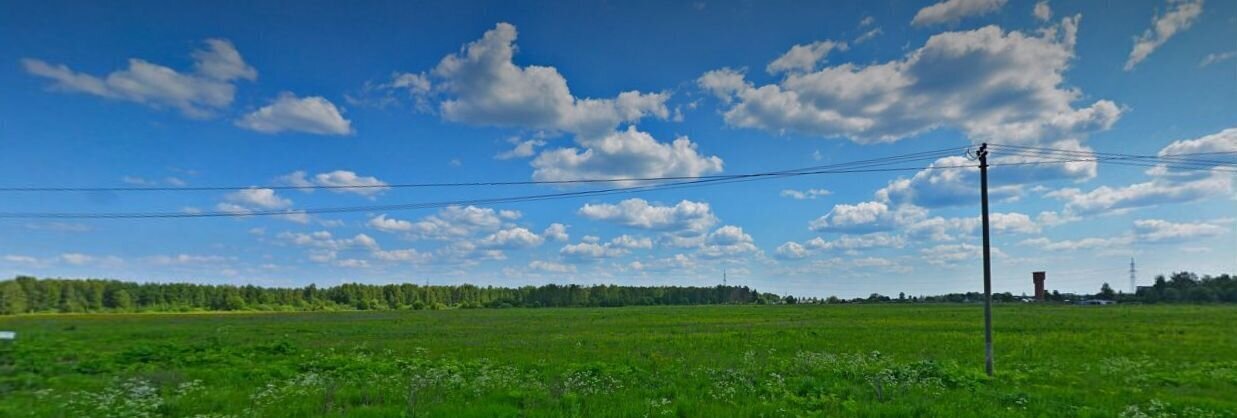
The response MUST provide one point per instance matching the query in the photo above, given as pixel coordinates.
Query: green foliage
(783, 360)
(27, 294)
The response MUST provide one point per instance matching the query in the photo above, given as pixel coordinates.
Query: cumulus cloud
(866, 217)
(804, 57)
(677, 262)
(511, 238)
(791, 250)
(1207, 175)
(197, 94)
(729, 240)
(385, 224)
(452, 222)
(555, 232)
(315, 115)
(551, 267)
(255, 197)
(1180, 17)
(1042, 11)
(485, 86)
(1204, 152)
(1158, 191)
(685, 216)
(340, 181)
(523, 149)
(953, 11)
(1158, 230)
(482, 85)
(592, 249)
(1013, 92)
(1094, 243)
(948, 254)
(627, 153)
(808, 194)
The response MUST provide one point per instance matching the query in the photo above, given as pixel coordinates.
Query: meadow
(748, 360)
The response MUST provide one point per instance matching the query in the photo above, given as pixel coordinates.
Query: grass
(849, 360)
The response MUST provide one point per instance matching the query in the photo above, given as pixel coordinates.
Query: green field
(818, 360)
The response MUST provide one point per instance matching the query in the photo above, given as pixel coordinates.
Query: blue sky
(317, 93)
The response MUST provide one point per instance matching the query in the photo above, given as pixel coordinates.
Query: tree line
(26, 294)
(30, 295)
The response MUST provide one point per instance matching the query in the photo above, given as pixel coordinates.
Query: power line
(864, 166)
(917, 156)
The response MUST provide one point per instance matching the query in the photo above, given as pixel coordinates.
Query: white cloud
(589, 251)
(1042, 11)
(1217, 57)
(484, 86)
(455, 222)
(555, 232)
(385, 224)
(1093, 243)
(1013, 92)
(791, 250)
(80, 259)
(350, 182)
(858, 242)
(729, 240)
(624, 154)
(867, 36)
(865, 217)
(804, 57)
(804, 194)
(949, 254)
(1150, 193)
(592, 250)
(1163, 27)
(19, 259)
(262, 198)
(198, 94)
(1157, 230)
(512, 238)
(315, 115)
(631, 243)
(324, 240)
(1208, 151)
(551, 267)
(685, 216)
(953, 11)
(664, 264)
(523, 149)
(408, 255)
(185, 259)
(340, 181)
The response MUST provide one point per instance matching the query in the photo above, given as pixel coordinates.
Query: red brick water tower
(1038, 277)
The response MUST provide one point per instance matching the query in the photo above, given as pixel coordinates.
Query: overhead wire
(861, 166)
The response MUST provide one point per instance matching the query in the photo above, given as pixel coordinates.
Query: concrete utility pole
(983, 196)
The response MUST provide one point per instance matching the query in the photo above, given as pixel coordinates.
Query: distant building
(1038, 277)
(1096, 302)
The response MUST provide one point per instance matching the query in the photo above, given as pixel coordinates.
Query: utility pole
(983, 196)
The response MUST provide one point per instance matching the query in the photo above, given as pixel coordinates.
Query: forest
(26, 294)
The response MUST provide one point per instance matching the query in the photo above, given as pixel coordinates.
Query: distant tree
(120, 299)
(1106, 293)
(12, 298)
(233, 303)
